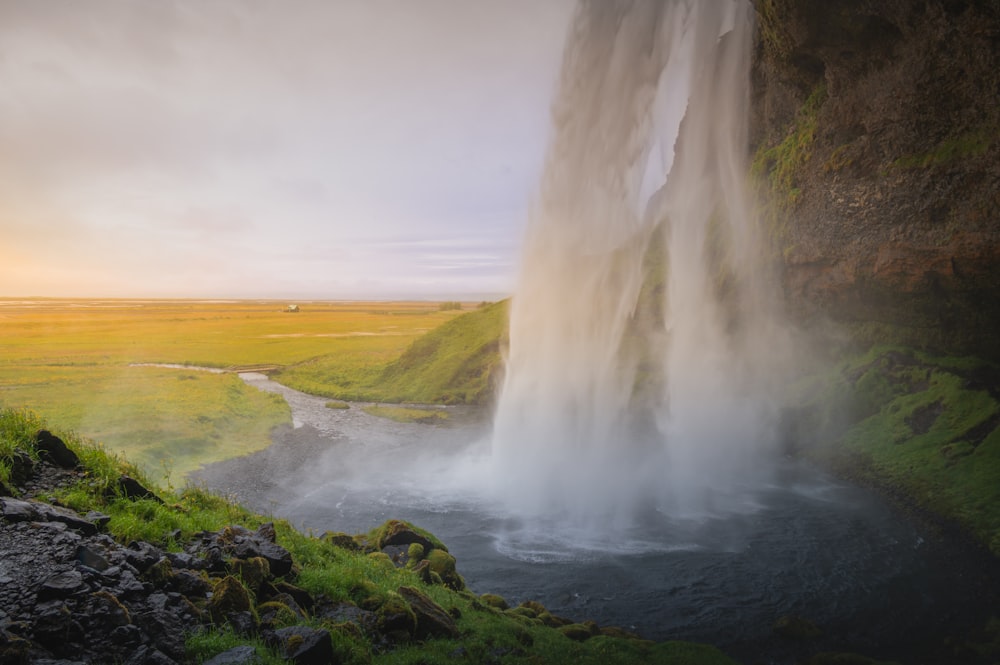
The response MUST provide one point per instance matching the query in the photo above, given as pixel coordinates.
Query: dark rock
(342, 540)
(131, 488)
(22, 468)
(142, 555)
(92, 559)
(54, 449)
(99, 519)
(230, 596)
(347, 612)
(61, 585)
(128, 637)
(16, 510)
(302, 597)
(184, 560)
(399, 554)
(55, 629)
(303, 645)
(399, 533)
(432, 620)
(254, 572)
(267, 533)
(278, 558)
(190, 584)
(149, 656)
(244, 655)
(242, 623)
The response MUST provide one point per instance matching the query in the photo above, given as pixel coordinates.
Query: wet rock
(397, 532)
(142, 555)
(87, 556)
(61, 585)
(301, 597)
(149, 656)
(244, 655)
(190, 584)
(230, 596)
(432, 620)
(303, 645)
(22, 468)
(55, 628)
(54, 449)
(278, 558)
(347, 612)
(342, 540)
(242, 623)
(254, 572)
(99, 519)
(16, 510)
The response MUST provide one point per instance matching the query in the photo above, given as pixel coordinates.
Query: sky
(325, 149)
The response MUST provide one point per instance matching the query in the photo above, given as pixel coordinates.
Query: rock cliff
(875, 129)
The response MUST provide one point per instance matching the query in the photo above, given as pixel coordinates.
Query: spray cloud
(641, 373)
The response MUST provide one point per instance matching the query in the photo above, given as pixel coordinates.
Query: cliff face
(876, 131)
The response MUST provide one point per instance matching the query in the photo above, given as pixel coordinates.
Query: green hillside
(458, 362)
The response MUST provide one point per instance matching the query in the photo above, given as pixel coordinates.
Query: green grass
(457, 363)
(952, 149)
(72, 361)
(487, 634)
(925, 427)
(401, 414)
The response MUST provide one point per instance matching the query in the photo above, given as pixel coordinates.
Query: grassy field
(73, 362)
(456, 363)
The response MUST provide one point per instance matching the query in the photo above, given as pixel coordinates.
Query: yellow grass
(73, 361)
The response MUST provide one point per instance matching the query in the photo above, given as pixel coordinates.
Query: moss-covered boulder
(228, 597)
(443, 564)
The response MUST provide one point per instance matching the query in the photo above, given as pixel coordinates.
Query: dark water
(801, 544)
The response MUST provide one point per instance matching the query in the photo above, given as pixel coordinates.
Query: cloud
(175, 131)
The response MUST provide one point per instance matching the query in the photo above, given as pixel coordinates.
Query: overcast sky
(224, 148)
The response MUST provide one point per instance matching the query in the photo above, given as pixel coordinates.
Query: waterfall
(643, 335)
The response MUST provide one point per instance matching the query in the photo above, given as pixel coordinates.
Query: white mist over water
(642, 367)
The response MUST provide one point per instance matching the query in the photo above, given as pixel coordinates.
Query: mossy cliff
(876, 134)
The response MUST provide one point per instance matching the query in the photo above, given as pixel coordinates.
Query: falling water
(641, 373)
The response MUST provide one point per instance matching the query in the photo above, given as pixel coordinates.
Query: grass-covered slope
(336, 569)
(456, 363)
(924, 427)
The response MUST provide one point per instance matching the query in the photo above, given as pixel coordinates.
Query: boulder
(303, 645)
(22, 468)
(230, 596)
(61, 585)
(243, 655)
(54, 449)
(131, 488)
(432, 619)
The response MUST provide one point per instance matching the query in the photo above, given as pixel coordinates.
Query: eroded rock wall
(876, 133)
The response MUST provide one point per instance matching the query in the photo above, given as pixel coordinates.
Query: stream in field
(803, 544)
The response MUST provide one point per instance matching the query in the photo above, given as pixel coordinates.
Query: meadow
(78, 364)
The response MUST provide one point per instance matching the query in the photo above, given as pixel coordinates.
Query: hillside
(459, 362)
(108, 568)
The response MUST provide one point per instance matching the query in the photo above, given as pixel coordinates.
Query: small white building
(292, 308)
